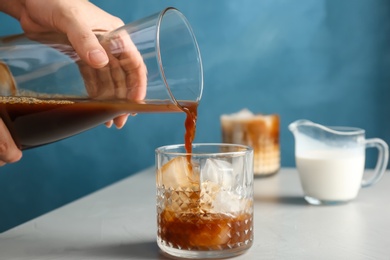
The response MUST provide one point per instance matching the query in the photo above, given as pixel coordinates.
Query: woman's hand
(80, 21)
(117, 77)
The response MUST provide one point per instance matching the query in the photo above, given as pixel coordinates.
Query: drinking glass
(204, 200)
(261, 132)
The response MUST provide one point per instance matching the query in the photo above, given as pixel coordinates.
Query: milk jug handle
(383, 158)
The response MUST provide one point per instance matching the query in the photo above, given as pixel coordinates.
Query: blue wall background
(327, 61)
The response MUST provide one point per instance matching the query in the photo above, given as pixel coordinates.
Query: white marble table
(119, 222)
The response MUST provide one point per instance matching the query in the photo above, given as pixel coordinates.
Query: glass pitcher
(331, 161)
(47, 93)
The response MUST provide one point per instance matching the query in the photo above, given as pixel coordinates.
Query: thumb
(87, 46)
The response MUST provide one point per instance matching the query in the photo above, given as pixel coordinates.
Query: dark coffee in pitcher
(33, 122)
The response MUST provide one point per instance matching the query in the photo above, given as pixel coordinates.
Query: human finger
(120, 121)
(109, 123)
(87, 45)
(132, 64)
(9, 152)
(135, 78)
(118, 77)
(90, 79)
(99, 83)
(105, 83)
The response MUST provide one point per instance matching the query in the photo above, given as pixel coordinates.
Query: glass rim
(337, 130)
(196, 46)
(168, 149)
(346, 130)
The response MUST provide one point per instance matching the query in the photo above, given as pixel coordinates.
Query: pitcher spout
(296, 125)
(311, 133)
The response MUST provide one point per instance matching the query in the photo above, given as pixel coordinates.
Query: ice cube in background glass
(177, 173)
(242, 114)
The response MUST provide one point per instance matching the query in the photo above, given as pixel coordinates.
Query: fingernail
(109, 124)
(98, 58)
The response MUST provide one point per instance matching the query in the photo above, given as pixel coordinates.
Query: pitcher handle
(381, 164)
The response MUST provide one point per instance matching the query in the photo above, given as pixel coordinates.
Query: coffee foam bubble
(31, 100)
